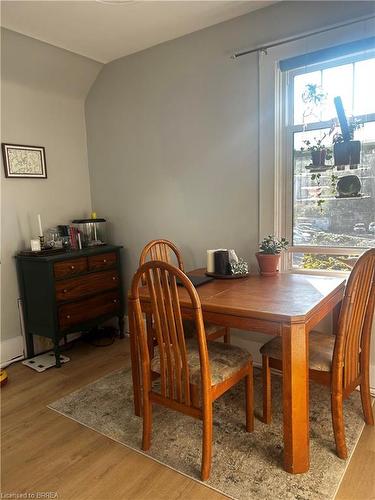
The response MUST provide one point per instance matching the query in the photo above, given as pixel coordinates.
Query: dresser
(70, 292)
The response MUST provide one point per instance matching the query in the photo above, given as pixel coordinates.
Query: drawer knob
(104, 260)
(115, 301)
(114, 278)
(65, 290)
(72, 267)
(68, 316)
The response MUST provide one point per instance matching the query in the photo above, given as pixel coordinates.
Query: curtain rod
(299, 37)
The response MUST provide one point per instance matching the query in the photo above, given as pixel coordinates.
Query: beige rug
(245, 466)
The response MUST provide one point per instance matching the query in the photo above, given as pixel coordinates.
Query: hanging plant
(333, 182)
(313, 96)
(316, 178)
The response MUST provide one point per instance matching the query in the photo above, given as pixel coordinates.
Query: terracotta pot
(268, 263)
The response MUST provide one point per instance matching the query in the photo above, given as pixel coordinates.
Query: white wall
(42, 99)
(173, 136)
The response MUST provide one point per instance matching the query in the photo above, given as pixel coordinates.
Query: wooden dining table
(287, 305)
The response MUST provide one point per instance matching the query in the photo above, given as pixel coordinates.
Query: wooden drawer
(89, 309)
(102, 261)
(76, 288)
(67, 268)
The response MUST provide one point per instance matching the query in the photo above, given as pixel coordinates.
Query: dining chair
(162, 250)
(193, 373)
(339, 361)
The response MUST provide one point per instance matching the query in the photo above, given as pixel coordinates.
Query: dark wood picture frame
(34, 168)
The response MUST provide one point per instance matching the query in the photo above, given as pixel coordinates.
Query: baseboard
(11, 350)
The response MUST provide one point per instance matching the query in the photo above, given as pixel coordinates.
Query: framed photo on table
(24, 161)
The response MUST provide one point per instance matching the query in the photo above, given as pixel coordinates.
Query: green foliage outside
(317, 261)
(333, 262)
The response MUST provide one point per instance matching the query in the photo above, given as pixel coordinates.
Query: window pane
(366, 135)
(302, 112)
(364, 95)
(338, 81)
(321, 217)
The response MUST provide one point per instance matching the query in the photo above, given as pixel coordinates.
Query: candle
(211, 261)
(40, 225)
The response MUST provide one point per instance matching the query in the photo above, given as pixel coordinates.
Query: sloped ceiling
(105, 30)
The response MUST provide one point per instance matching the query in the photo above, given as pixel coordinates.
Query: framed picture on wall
(24, 161)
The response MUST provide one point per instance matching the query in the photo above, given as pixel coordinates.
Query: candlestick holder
(41, 239)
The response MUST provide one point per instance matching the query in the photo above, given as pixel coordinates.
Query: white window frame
(275, 182)
(287, 132)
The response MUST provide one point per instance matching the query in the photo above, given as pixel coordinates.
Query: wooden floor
(45, 452)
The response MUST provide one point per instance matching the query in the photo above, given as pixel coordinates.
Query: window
(332, 185)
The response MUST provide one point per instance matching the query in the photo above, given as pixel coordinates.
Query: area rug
(244, 465)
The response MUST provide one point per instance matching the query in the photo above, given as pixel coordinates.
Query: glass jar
(92, 231)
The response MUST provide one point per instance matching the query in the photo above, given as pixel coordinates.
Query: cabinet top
(70, 254)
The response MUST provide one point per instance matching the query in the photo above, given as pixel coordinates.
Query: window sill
(320, 272)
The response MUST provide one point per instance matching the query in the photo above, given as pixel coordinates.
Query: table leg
(134, 354)
(295, 398)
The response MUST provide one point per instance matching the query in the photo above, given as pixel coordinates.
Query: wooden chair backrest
(169, 330)
(161, 250)
(355, 323)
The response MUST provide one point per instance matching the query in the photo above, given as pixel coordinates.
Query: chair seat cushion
(321, 347)
(225, 360)
(210, 328)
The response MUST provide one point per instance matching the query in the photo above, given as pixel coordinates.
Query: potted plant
(346, 151)
(269, 255)
(319, 153)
